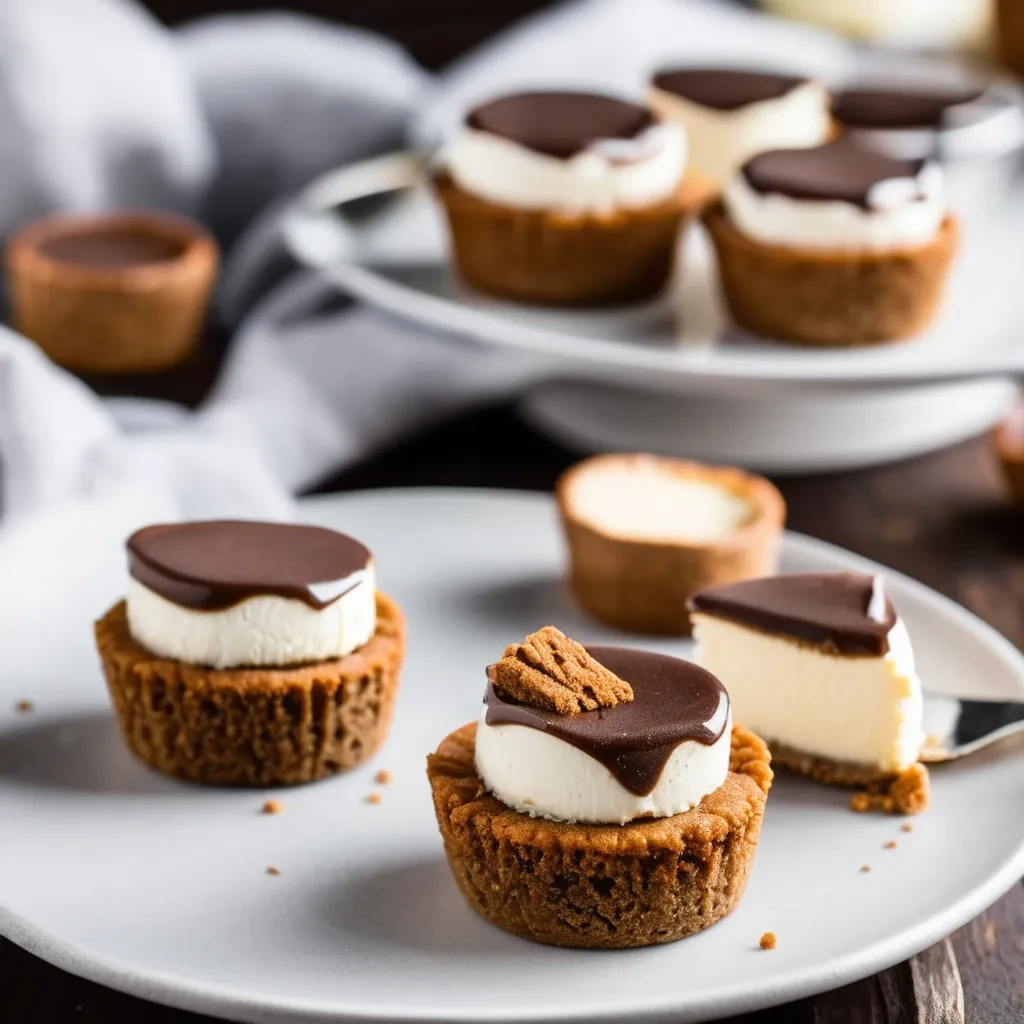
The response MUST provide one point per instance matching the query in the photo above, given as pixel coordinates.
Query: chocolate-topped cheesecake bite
(630, 823)
(822, 665)
(730, 114)
(280, 621)
(565, 198)
(905, 108)
(834, 245)
(560, 124)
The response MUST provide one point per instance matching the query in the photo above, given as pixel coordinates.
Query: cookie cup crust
(643, 585)
(599, 886)
(549, 257)
(831, 299)
(253, 726)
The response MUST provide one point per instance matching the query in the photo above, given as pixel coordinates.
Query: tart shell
(253, 726)
(600, 886)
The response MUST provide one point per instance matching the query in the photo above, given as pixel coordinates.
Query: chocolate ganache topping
(104, 247)
(848, 613)
(838, 170)
(900, 108)
(560, 124)
(673, 701)
(725, 88)
(209, 566)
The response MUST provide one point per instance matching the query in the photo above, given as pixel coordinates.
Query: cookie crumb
(273, 807)
(273, 871)
(907, 827)
(548, 670)
(865, 868)
(373, 798)
(891, 845)
(907, 793)
(383, 777)
(24, 705)
(768, 940)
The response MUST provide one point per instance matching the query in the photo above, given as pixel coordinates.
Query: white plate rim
(799, 983)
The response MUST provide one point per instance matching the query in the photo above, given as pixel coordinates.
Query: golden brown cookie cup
(600, 886)
(125, 318)
(565, 259)
(643, 586)
(253, 726)
(830, 299)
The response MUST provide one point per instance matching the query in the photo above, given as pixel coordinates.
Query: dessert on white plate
(822, 666)
(645, 532)
(731, 114)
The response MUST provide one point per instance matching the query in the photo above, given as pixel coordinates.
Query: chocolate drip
(829, 610)
(209, 566)
(673, 701)
(898, 108)
(110, 248)
(838, 170)
(560, 124)
(725, 88)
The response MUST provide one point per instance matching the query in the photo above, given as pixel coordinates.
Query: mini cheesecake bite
(833, 246)
(628, 818)
(731, 114)
(822, 666)
(644, 533)
(565, 198)
(250, 653)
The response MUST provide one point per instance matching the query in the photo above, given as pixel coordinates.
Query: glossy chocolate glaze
(209, 566)
(898, 108)
(838, 170)
(725, 88)
(673, 701)
(828, 610)
(560, 124)
(109, 247)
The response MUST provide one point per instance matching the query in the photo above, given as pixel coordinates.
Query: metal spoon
(956, 728)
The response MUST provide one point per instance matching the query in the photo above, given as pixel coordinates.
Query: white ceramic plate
(159, 888)
(397, 261)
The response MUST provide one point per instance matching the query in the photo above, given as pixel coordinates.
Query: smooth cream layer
(609, 175)
(544, 776)
(901, 213)
(642, 501)
(861, 710)
(721, 141)
(260, 631)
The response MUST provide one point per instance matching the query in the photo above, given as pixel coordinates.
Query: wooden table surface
(942, 518)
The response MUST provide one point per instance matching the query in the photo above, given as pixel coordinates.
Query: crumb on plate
(383, 777)
(373, 798)
(768, 940)
(273, 871)
(273, 807)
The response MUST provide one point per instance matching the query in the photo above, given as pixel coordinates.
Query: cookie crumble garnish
(891, 845)
(24, 705)
(373, 798)
(273, 871)
(550, 671)
(907, 793)
(272, 807)
(768, 940)
(383, 777)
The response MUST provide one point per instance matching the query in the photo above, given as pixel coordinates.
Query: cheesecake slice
(822, 666)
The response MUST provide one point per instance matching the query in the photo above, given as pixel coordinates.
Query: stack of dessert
(828, 213)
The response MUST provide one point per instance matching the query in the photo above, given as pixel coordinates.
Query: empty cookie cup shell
(112, 293)
(546, 257)
(634, 579)
(831, 298)
(648, 882)
(253, 726)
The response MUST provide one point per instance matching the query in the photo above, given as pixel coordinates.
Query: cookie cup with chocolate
(566, 199)
(834, 245)
(251, 654)
(644, 533)
(630, 873)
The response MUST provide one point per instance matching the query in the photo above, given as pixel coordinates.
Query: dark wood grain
(942, 518)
